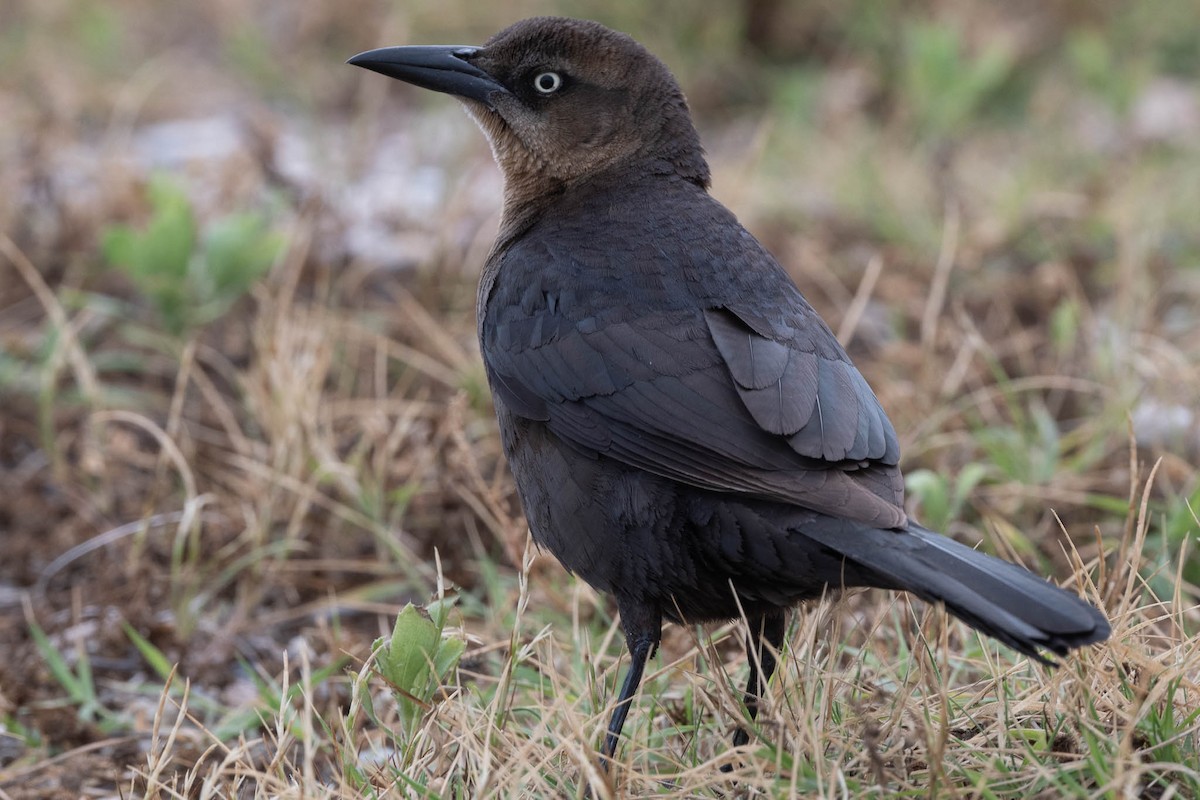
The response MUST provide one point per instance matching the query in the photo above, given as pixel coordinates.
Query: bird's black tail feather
(996, 597)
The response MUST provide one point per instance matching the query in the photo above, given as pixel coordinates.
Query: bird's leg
(762, 644)
(643, 630)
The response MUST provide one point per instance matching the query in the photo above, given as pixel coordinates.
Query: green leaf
(944, 85)
(932, 494)
(1064, 326)
(156, 259)
(189, 288)
(57, 664)
(406, 658)
(417, 656)
(447, 657)
(157, 660)
(970, 477)
(238, 250)
(439, 611)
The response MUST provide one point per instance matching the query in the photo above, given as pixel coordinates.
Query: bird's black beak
(442, 68)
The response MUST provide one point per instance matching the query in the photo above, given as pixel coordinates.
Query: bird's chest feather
(603, 522)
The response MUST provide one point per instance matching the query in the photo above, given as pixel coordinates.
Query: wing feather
(753, 396)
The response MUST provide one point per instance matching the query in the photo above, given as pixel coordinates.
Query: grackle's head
(560, 100)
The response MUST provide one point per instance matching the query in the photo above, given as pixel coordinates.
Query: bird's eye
(547, 82)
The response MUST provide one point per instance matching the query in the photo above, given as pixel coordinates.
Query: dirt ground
(235, 489)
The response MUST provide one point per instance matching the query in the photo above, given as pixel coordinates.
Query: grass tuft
(245, 423)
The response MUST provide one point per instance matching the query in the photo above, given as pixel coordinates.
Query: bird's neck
(525, 201)
(530, 195)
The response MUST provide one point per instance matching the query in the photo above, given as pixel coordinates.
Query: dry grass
(204, 532)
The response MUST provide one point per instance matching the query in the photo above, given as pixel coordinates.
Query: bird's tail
(996, 597)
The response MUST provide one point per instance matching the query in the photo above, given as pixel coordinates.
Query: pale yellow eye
(547, 82)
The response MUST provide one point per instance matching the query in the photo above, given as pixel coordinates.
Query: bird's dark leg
(765, 629)
(643, 630)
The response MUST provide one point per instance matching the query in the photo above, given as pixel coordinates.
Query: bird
(685, 433)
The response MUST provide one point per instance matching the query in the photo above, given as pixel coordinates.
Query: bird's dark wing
(804, 389)
(702, 396)
(621, 353)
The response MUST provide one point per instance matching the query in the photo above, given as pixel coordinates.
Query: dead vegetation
(205, 528)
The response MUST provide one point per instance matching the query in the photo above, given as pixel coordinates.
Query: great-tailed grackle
(685, 432)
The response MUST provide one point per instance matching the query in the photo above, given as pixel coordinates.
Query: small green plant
(97, 30)
(941, 498)
(944, 86)
(78, 682)
(1103, 70)
(191, 276)
(1029, 452)
(1065, 324)
(417, 657)
(1176, 549)
(1170, 731)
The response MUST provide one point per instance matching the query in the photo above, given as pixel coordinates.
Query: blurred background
(241, 404)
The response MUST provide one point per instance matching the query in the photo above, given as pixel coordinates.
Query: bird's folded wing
(703, 398)
(818, 400)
